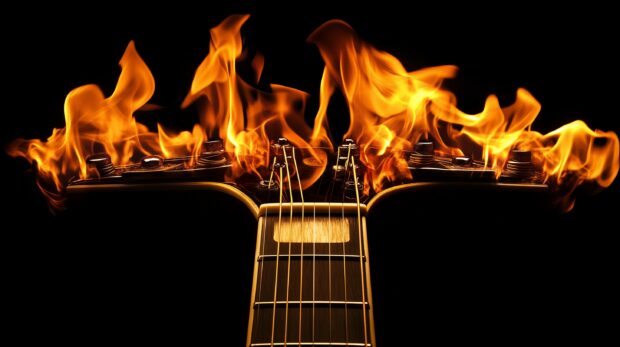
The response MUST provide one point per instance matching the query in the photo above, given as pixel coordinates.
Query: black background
(565, 55)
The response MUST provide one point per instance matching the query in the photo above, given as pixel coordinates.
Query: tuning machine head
(423, 154)
(102, 165)
(212, 154)
(519, 166)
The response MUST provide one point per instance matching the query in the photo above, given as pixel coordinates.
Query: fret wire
(353, 344)
(310, 255)
(308, 302)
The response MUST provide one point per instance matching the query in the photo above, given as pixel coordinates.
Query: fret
(313, 269)
(296, 343)
(306, 256)
(310, 302)
(319, 315)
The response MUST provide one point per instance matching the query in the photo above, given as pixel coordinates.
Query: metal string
(288, 265)
(263, 231)
(275, 288)
(359, 228)
(329, 266)
(301, 258)
(344, 258)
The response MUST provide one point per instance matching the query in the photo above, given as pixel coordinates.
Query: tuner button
(423, 154)
(267, 185)
(98, 159)
(348, 148)
(349, 189)
(462, 161)
(424, 147)
(339, 171)
(211, 159)
(152, 162)
(213, 146)
(520, 165)
(521, 156)
(102, 163)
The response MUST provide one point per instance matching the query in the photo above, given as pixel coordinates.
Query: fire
(390, 110)
(248, 119)
(245, 118)
(573, 154)
(94, 124)
(388, 106)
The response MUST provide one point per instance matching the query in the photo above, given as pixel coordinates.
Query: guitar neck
(311, 277)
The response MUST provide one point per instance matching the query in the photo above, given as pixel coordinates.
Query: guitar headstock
(291, 174)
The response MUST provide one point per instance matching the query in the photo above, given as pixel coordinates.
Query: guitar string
(288, 263)
(301, 258)
(359, 228)
(275, 287)
(329, 254)
(263, 231)
(313, 266)
(314, 259)
(344, 255)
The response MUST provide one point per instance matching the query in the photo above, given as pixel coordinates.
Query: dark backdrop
(565, 55)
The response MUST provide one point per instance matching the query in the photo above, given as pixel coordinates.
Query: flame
(388, 106)
(573, 154)
(180, 144)
(391, 109)
(94, 124)
(247, 119)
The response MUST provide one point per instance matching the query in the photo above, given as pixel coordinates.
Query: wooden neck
(311, 279)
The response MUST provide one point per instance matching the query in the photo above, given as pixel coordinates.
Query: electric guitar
(308, 280)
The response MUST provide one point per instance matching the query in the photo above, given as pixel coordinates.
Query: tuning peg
(423, 154)
(212, 154)
(520, 164)
(102, 164)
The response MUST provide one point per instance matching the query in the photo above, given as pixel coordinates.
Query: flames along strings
(390, 110)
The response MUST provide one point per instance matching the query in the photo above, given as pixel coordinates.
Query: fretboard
(311, 281)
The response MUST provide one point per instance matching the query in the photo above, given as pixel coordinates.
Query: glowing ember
(390, 109)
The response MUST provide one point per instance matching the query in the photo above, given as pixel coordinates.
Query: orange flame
(94, 124)
(391, 109)
(574, 153)
(388, 106)
(242, 116)
(245, 118)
